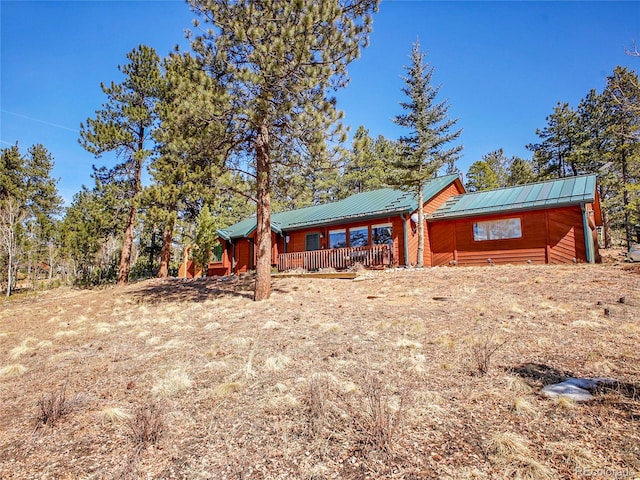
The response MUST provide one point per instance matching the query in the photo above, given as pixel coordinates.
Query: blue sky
(502, 66)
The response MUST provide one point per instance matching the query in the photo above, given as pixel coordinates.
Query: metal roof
(365, 205)
(552, 193)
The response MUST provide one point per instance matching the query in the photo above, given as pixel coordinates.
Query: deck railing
(338, 258)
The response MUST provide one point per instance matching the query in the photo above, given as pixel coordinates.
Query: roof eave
(347, 219)
(479, 213)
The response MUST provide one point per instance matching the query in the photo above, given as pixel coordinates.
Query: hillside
(376, 377)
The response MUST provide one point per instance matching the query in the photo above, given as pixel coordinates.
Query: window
(337, 238)
(217, 253)
(382, 234)
(312, 241)
(497, 229)
(358, 237)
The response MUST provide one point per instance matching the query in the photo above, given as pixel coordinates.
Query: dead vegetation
(415, 374)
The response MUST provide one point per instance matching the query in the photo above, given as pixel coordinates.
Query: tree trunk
(625, 200)
(10, 269)
(165, 253)
(127, 247)
(127, 244)
(420, 259)
(606, 230)
(263, 213)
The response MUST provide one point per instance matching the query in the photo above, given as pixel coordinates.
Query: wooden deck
(337, 258)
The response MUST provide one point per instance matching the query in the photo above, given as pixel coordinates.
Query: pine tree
(279, 58)
(519, 172)
(481, 176)
(554, 157)
(29, 201)
(125, 125)
(621, 99)
(193, 140)
(423, 151)
(365, 169)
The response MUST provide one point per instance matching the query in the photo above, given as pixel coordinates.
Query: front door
(312, 241)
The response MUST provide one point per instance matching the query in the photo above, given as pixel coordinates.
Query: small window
(358, 237)
(497, 229)
(216, 253)
(382, 234)
(337, 238)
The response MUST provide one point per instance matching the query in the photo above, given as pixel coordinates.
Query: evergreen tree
(554, 156)
(125, 125)
(481, 177)
(621, 99)
(193, 140)
(279, 58)
(206, 238)
(423, 151)
(365, 169)
(29, 202)
(519, 172)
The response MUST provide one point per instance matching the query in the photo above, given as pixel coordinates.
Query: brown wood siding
(242, 255)
(561, 228)
(566, 235)
(430, 206)
(442, 242)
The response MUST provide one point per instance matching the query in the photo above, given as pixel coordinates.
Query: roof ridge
(539, 182)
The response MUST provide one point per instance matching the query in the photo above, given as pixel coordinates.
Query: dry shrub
(147, 425)
(483, 349)
(144, 429)
(377, 421)
(52, 407)
(316, 404)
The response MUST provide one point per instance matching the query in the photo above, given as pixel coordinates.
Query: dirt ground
(377, 377)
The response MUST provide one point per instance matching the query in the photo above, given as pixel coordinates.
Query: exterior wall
(548, 236)
(297, 238)
(223, 267)
(243, 260)
(244, 251)
(430, 206)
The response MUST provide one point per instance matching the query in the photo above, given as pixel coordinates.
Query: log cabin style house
(546, 222)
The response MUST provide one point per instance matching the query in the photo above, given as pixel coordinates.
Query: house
(546, 222)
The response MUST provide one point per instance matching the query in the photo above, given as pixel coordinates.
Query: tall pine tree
(125, 125)
(424, 151)
(279, 59)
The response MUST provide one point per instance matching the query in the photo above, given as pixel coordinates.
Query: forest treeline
(205, 138)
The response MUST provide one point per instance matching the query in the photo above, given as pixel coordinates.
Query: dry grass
(13, 370)
(170, 383)
(328, 379)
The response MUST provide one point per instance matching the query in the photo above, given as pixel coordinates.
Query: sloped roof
(377, 203)
(552, 193)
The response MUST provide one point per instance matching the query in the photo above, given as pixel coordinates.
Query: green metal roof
(552, 193)
(365, 205)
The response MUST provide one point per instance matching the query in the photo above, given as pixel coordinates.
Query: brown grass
(328, 379)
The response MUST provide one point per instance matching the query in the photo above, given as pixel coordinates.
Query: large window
(497, 229)
(337, 238)
(382, 234)
(358, 237)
